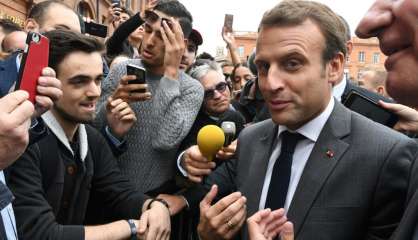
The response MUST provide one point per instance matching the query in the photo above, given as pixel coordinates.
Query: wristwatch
(133, 229)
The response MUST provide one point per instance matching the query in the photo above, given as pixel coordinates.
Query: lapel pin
(330, 153)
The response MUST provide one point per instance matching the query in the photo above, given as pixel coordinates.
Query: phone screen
(137, 71)
(34, 59)
(229, 19)
(369, 109)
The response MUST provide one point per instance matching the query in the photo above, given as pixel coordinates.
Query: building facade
(95, 9)
(366, 55)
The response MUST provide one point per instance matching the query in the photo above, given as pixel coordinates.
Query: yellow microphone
(210, 139)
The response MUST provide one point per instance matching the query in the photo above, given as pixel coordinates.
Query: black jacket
(37, 181)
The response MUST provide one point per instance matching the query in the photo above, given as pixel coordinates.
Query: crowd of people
(98, 155)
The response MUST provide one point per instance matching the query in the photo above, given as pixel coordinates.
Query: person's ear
(349, 45)
(381, 90)
(31, 25)
(335, 68)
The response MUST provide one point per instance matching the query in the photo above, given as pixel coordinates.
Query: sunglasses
(220, 87)
(151, 17)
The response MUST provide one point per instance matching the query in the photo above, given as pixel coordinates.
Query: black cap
(196, 37)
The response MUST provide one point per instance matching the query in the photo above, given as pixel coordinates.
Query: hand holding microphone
(197, 160)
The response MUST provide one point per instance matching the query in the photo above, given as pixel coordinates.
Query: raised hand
(224, 219)
(120, 116)
(131, 92)
(266, 224)
(174, 47)
(15, 114)
(48, 91)
(196, 165)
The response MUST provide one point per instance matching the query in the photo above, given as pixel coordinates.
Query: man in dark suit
(337, 174)
(8, 73)
(394, 23)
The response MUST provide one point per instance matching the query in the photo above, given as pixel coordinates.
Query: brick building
(365, 55)
(17, 10)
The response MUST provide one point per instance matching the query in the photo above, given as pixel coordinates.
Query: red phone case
(35, 58)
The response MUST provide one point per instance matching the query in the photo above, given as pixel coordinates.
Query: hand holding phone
(370, 109)
(228, 21)
(34, 60)
(139, 73)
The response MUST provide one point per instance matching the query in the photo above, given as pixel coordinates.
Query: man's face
(14, 41)
(153, 48)
(80, 87)
(188, 56)
(366, 81)
(122, 18)
(219, 103)
(292, 76)
(57, 17)
(395, 23)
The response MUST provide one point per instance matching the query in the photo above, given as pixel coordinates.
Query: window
(362, 57)
(376, 58)
(241, 51)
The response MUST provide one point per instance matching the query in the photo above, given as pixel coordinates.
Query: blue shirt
(7, 213)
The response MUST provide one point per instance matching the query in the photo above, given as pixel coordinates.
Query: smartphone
(140, 74)
(116, 3)
(95, 29)
(34, 59)
(370, 109)
(228, 21)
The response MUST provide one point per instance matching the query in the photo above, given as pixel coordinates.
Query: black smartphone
(95, 29)
(228, 21)
(116, 3)
(140, 74)
(370, 109)
(34, 59)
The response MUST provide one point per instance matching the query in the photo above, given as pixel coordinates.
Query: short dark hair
(205, 55)
(64, 42)
(347, 28)
(295, 12)
(176, 9)
(39, 10)
(9, 26)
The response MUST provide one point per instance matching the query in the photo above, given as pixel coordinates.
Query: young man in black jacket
(69, 178)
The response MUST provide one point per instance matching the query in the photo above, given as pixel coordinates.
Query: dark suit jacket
(8, 74)
(358, 193)
(408, 227)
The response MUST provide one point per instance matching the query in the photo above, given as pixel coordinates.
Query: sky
(208, 16)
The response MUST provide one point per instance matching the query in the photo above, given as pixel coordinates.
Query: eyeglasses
(151, 17)
(220, 87)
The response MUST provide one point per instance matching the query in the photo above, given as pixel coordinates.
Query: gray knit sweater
(162, 124)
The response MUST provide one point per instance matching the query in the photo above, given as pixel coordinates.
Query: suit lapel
(259, 166)
(325, 155)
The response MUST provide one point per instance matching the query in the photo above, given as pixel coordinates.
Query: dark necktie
(282, 169)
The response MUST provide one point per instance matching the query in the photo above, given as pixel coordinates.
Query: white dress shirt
(310, 131)
(8, 217)
(338, 90)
